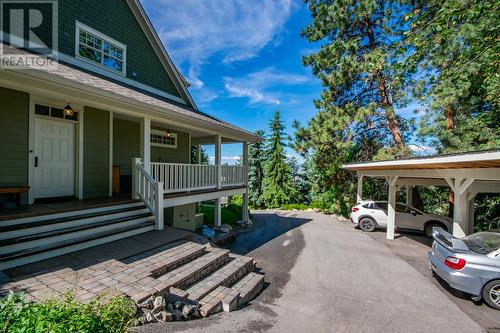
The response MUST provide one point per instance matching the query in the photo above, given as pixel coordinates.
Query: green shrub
(17, 315)
(295, 206)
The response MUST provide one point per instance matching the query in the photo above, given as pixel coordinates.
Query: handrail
(150, 191)
(182, 177)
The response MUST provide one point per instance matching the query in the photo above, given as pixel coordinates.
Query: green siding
(172, 155)
(126, 144)
(95, 153)
(14, 126)
(115, 19)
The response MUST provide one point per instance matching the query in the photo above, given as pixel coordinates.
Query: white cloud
(194, 31)
(422, 150)
(258, 86)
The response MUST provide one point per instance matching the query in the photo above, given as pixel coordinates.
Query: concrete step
(194, 271)
(212, 303)
(248, 287)
(237, 267)
(83, 242)
(67, 234)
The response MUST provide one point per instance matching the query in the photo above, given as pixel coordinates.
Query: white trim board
(172, 202)
(419, 162)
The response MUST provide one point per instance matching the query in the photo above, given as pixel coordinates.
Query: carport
(467, 174)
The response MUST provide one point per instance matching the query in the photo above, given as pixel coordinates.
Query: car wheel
(367, 224)
(429, 226)
(491, 294)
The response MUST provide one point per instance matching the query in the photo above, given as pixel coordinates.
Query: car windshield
(483, 242)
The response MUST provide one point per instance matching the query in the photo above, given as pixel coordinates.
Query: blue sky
(242, 58)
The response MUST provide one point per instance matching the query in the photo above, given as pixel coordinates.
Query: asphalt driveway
(325, 276)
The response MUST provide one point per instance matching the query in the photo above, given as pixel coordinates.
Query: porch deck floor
(61, 206)
(128, 257)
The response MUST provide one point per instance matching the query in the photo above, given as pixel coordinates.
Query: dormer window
(95, 47)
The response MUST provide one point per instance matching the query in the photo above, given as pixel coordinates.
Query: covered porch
(113, 129)
(466, 174)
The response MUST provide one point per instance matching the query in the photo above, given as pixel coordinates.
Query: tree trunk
(448, 112)
(383, 91)
(450, 124)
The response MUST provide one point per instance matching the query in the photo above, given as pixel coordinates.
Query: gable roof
(177, 78)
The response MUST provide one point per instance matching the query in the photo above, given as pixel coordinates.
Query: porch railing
(233, 175)
(149, 190)
(178, 177)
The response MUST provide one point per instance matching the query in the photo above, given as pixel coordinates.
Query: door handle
(36, 161)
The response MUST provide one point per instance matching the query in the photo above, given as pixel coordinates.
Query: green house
(97, 130)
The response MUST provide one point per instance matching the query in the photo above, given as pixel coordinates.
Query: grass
(113, 315)
(229, 215)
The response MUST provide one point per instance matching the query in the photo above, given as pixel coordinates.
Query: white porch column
(244, 214)
(198, 154)
(409, 195)
(217, 213)
(359, 194)
(218, 160)
(391, 206)
(146, 143)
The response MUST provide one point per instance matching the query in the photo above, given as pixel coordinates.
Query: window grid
(100, 51)
(161, 139)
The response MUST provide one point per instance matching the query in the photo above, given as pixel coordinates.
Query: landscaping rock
(148, 304)
(177, 315)
(177, 305)
(164, 316)
(150, 318)
(159, 304)
(187, 310)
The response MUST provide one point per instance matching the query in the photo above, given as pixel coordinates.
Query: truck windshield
(483, 242)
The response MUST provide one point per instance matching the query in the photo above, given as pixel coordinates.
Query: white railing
(232, 175)
(178, 177)
(149, 190)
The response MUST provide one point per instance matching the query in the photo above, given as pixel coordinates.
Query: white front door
(54, 158)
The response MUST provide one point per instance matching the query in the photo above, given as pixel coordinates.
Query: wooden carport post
(359, 194)
(391, 206)
(459, 186)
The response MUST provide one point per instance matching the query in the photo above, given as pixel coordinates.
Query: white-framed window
(99, 49)
(163, 138)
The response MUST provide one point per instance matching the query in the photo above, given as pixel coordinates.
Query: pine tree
(256, 172)
(278, 182)
(363, 82)
(454, 51)
(204, 156)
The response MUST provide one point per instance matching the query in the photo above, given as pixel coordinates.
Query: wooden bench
(17, 190)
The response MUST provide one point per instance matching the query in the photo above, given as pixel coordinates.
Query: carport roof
(478, 159)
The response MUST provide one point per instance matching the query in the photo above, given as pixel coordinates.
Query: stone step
(194, 271)
(176, 255)
(248, 287)
(225, 276)
(212, 303)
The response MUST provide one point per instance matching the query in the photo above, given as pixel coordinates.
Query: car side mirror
(413, 212)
